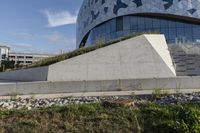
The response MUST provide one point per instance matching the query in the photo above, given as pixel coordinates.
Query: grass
(146, 118)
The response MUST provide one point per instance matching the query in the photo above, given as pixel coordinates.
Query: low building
(20, 58)
(27, 58)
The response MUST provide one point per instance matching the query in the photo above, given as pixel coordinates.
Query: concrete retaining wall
(99, 86)
(25, 75)
(145, 56)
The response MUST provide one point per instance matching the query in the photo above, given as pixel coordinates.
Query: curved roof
(94, 12)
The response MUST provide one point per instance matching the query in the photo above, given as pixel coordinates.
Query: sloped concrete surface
(145, 56)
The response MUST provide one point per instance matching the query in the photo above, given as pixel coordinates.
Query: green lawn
(148, 118)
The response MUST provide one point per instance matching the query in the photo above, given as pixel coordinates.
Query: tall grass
(145, 118)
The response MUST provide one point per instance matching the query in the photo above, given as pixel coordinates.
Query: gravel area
(31, 103)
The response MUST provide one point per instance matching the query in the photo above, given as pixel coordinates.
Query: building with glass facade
(107, 20)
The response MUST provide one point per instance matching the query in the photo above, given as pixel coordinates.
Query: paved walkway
(96, 94)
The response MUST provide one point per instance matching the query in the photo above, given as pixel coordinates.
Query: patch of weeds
(157, 93)
(13, 96)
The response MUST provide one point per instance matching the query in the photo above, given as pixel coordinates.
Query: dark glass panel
(180, 32)
(196, 31)
(113, 25)
(179, 24)
(164, 23)
(141, 24)
(172, 24)
(188, 34)
(156, 23)
(108, 27)
(119, 24)
(172, 33)
(148, 23)
(133, 22)
(186, 25)
(126, 23)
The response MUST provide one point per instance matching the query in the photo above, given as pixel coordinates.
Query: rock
(5, 105)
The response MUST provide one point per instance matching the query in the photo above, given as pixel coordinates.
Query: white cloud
(23, 46)
(57, 38)
(59, 18)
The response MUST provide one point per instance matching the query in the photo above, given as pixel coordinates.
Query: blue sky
(42, 26)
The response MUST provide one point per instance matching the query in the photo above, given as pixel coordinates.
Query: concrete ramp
(145, 56)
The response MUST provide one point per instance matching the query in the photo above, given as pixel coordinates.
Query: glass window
(126, 23)
(129, 25)
(172, 33)
(119, 24)
(133, 22)
(102, 29)
(108, 27)
(196, 31)
(188, 34)
(164, 23)
(113, 25)
(179, 24)
(156, 23)
(172, 24)
(148, 23)
(186, 25)
(180, 32)
(120, 34)
(141, 23)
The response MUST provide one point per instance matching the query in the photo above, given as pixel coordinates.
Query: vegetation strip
(143, 118)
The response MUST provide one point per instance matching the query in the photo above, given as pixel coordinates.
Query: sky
(39, 26)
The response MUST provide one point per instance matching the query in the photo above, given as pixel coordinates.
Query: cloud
(23, 35)
(61, 18)
(27, 48)
(59, 39)
(22, 46)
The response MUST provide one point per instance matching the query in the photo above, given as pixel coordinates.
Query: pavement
(97, 94)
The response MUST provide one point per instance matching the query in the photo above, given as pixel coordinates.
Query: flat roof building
(27, 58)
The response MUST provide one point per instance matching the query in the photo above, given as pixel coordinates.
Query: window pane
(113, 25)
(126, 23)
(148, 23)
(119, 24)
(172, 24)
(133, 22)
(156, 23)
(164, 23)
(172, 33)
(141, 23)
(108, 27)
